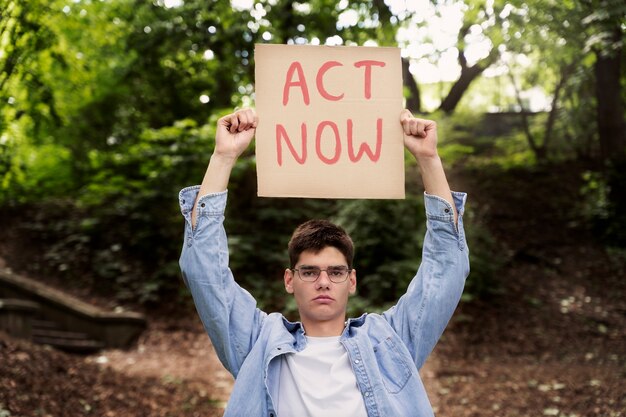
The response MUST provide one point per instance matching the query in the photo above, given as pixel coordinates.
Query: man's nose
(324, 279)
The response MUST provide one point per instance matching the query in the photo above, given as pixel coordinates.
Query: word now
(295, 78)
(301, 157)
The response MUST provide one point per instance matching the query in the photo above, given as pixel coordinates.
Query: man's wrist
(223, 161)
(427, 163)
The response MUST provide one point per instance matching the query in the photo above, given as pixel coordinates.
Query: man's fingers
(405, 115)
(410, 124)
(250, 118)
(430, 125)
(243, 121)
(413, 126)
(240, 121)
(230, 122)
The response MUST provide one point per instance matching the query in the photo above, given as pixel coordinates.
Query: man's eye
(308, 272)
(336, 272)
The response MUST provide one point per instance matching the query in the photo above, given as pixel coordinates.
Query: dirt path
(174, 353)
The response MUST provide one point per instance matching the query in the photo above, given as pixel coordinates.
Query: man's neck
(324, 328)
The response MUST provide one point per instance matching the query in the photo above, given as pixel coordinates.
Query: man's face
(322, 300)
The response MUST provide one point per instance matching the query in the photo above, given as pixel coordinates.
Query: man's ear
(288, 280)
(352, 279)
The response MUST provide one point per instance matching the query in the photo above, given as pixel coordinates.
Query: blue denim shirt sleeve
(422, 314)
(228, 312)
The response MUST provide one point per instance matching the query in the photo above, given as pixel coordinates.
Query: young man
(323, 365)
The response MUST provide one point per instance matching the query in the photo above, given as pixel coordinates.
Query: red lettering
(320, 80)
(282, 133)
(368, 74)
(301, 82)
(365, 148)
(372, 152)
(318, 142)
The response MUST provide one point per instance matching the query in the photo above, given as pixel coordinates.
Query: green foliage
(123, 234)
(103, 118)
(26, 50)
(32, 172)
(485, 258)
(129, 86)
(8, 168)
(604, 203)
(511, 151)
(135, 191)
(595, 196)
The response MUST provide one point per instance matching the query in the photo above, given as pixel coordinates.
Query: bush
(604, 203)
(121, 233)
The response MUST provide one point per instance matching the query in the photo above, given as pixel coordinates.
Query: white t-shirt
(319, 382)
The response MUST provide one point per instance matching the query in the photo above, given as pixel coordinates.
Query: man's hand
(420, 138)
(234, 133)
(420, 135)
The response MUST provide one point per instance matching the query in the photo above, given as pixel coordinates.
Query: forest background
(108, 109)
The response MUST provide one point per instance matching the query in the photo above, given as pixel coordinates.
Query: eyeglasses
(336, 274)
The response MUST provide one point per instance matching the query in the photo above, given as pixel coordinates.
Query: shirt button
(356, 361)
(367, 394)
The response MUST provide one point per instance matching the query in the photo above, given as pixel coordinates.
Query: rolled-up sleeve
(422, 314)
(228, 312)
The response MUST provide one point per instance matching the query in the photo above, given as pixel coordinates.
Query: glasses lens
(309, 273)
(337, 274)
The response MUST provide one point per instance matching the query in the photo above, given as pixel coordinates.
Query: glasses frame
(345, 277)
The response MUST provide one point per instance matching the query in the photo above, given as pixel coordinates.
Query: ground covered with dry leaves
(551, 341)
(171, 372)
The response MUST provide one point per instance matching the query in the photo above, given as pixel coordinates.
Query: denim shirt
(385, 350)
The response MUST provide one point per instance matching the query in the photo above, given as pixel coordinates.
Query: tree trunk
(610, 107)
(413, 101)
(539, 151)
(612, 134)
(566, 71)
(468, 74)
(459, 88)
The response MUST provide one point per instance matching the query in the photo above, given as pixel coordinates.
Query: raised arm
(228, 312)
(420, 138)
(421, 315)
(234, 133)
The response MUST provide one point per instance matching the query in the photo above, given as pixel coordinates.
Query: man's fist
(420, 135)
(235, 132)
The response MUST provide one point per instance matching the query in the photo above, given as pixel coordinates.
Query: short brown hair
(315, 235)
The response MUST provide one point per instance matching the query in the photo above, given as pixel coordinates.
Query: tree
(25, 34)
(551, 37)
(484, 18)
(604, 25)
(482, 27)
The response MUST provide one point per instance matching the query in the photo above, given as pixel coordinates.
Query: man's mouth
(323, 298)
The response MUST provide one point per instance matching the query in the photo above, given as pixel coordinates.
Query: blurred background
(108, 109)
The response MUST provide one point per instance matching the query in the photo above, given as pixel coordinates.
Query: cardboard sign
(329, 122)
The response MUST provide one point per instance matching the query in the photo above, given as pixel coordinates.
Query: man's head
(315, 235)
(321, 277)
